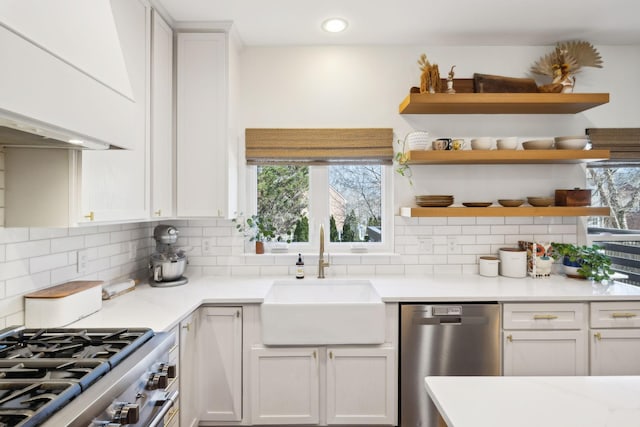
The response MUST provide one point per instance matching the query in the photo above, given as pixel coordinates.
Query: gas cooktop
(41, 370)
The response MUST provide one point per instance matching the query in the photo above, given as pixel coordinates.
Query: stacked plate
(434, 201)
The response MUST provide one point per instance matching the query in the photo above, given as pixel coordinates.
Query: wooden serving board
(487, 83)
(65, 289)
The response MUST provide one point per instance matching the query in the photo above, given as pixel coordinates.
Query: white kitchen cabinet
(615, 338)
(189, 370)
(285, 385)
(206, 144)
(220, 382)
(545, 339)
(324, 385)
(115, 183)
(361, 385)
(545, 353)
(65, 65)
(162, 167)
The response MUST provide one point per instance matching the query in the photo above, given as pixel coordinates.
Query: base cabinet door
(189, 351)
(545, 353)
(615, 352)
(284, 385)
(221, 363)
(361, 386)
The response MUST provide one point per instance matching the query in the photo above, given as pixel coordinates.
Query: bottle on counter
(300, 268)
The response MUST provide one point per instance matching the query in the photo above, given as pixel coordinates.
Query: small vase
(259, 247)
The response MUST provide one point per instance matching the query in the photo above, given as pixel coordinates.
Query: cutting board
(62, 304)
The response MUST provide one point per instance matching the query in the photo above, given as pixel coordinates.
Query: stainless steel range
(84, 377)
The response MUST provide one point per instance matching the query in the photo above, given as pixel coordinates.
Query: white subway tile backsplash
(67, 244)
(34, 258)
(27, 249)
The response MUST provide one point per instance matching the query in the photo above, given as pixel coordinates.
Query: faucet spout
(321, 262)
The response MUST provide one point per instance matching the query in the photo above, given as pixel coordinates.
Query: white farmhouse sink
(322, 311)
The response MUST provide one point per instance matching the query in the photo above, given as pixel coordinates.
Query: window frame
(319, 213)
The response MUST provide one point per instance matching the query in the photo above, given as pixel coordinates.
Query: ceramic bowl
(483, 143)
(510, 203)
(418, 140)
(538, 144)
(540, 202)
(571, 143)
(510, 143)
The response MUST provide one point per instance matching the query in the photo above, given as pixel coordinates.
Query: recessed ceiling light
(335, 25)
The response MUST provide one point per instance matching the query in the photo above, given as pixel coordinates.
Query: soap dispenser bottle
(300, 268)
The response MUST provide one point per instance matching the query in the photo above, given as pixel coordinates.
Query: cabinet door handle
(544, 317)
(237, 313)
(510, 338)
(187, 326)
(623, 315)
(90, 216)
(598, 336)
(331, 355)
(158, 212)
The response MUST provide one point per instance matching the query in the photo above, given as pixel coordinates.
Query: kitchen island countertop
(537, 401)
(163, 308)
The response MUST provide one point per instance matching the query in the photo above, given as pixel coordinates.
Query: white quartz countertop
(162, 308)
(537, 401)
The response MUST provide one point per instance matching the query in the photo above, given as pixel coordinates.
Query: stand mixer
(167, 265)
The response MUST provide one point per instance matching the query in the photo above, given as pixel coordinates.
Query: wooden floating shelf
(442, 157)
(462, 211)
(501, 103)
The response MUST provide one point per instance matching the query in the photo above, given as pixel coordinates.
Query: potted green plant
(588, 262)
(257, 229)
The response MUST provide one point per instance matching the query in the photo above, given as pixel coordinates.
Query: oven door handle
(158, 420)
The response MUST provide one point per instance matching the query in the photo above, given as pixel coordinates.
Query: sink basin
(322, 311)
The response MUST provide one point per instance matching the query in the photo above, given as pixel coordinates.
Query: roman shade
(623, 143)
(319, 146)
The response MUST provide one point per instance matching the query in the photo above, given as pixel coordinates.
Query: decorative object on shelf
(482, 143)
(477, 204)
(566, 61)
(257, 229)
(437, 201)
(430, 78)
(540, 202)
(538, 144)
(575, 197)
(488, 83)
(450, 88)
(585, 262)
(578, 142)
(510, 203)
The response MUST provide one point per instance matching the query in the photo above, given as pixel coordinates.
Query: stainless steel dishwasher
(444, 339)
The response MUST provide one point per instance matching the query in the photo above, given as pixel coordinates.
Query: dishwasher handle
(450, 320)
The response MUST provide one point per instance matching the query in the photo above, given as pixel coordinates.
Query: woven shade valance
(624, 144)
(319, 146)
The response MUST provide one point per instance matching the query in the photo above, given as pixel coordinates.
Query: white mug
(488, 266)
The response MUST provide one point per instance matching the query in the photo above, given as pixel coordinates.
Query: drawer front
(544, 316)
(617, 314)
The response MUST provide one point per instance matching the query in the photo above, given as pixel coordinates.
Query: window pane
(283, 197)
(618, 188)
(355, 203)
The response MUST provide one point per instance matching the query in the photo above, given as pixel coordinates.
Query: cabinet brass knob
(510, 338)
(90, 216)
(331, 355)
(315, 355)
(237, 313)
(598, 336)
(158, 212)
(187, 326)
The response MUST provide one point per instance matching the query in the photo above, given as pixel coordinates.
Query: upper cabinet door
(65, 64)
(115, 183)
(162, 168)
(205, 155)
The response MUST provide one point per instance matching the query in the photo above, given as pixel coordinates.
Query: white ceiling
(420, 22)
